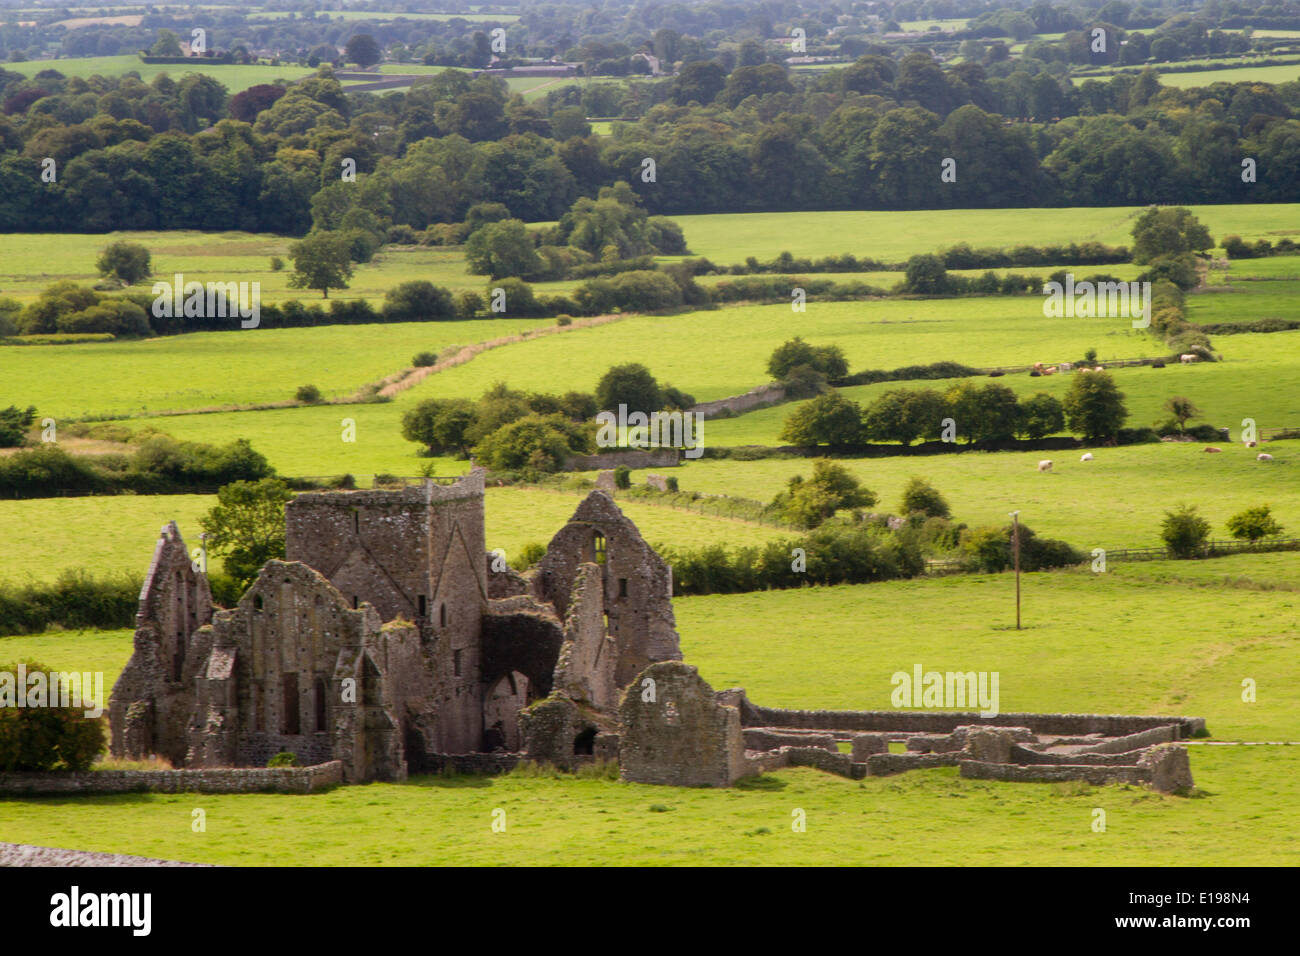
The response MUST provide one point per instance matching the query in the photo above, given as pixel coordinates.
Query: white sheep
(1187, 358)
(1045, 465)
(1087, 456)
(1263, 456)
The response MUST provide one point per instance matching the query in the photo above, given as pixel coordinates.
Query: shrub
(418, 301)
(308, 393)
(1184, 531)
(277, 264)
(1253, 524)
(424, 359)
(829, 419)
(285, 758)
(128, 261)
(34, 739)
(529, 555)
(920, 495)
(623, 477)
(14, 423)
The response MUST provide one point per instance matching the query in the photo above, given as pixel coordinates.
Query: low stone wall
(1131, 742)
(945, 722)
(1026, 755)
(763, 738)
(880, 765)
(1042, 773)
(836, 763)
(629, 458)
(758, 397)
(210, 780)
(21, 854)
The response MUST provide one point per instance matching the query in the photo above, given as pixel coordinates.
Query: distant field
(1274, 267)
(235, 77)
(1259, 74)
(41, 537)
(894, 236)
(1246, 302)
(1259, 379)
(203, 369)
(380, 16)
(1116, 501)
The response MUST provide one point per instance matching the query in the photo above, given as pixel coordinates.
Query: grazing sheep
(1045, 465)
(1066, 367)
(1187, 358)
(1087, 456)
(1212, 449)
(1098, 369)
(1251, 444)
(1263, 456)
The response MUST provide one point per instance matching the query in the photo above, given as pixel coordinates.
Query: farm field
(116, 533)
(844, 643)
(1287, 73)
(203, 369)
(1246, 302)
(1137, 483)
(236, 77)
(1274, 267)
(894, 236)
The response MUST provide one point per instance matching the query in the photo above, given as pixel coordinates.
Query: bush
(277, 264)
(623, 477)
(35, 739)
(424, 359)
(285, 758)
(989, 549)
(1253, 524)
(308, 393)
(529, 555)
(920, 495)
(14, 423)
(128, 261)
(1184, 531)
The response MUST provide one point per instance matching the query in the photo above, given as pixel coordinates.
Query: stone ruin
(386, 640)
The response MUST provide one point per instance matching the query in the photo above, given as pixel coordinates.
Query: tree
(829, 419)
(807, 503)
(441, 424)
(1253, 524)
(418, 300)
(828, 360)
(322, 261)
(128, 261)
(925, 275)
(1041, 415)
(534, 443)
(247, 525)
(167, 44)
(1181, 410)
(1184, 532)
(700, 81)
(990, 413)
(14, 423)
(362, 50)
(920, 495)
(631, 385)
(1168, 231)
(48, 737)
(501, 249)
(1094, 407)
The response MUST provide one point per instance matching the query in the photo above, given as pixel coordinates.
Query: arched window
(599, 543)
(257, 602)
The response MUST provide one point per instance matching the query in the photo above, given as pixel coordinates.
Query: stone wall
(759, 397)
(627, 458)
(945, 722)
(214, 780)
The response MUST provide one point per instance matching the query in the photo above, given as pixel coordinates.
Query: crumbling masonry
(392, 641)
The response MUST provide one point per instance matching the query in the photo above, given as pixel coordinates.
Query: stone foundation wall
(211, 780)
(945, 722)
(761, 396)
(631, 458)
(1041, 773)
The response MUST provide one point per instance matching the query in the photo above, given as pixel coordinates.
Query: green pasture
(1274, 267)
(1246, 302)
(106, 535)
(1259, 378)
(1115, 501)
(204, 369)
(1287, 73)
(235, 77)
(894, 236)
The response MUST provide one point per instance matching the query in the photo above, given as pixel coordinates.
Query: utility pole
(1015, 548)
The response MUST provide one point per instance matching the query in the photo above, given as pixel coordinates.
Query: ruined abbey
(391, 641)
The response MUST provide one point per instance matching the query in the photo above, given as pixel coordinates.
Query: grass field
(894, 236)
(1218, 623)
(234, 76)
(202, 369)
(106, 535)
(1288, 73)
(1115, 501)
(1246, 302)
